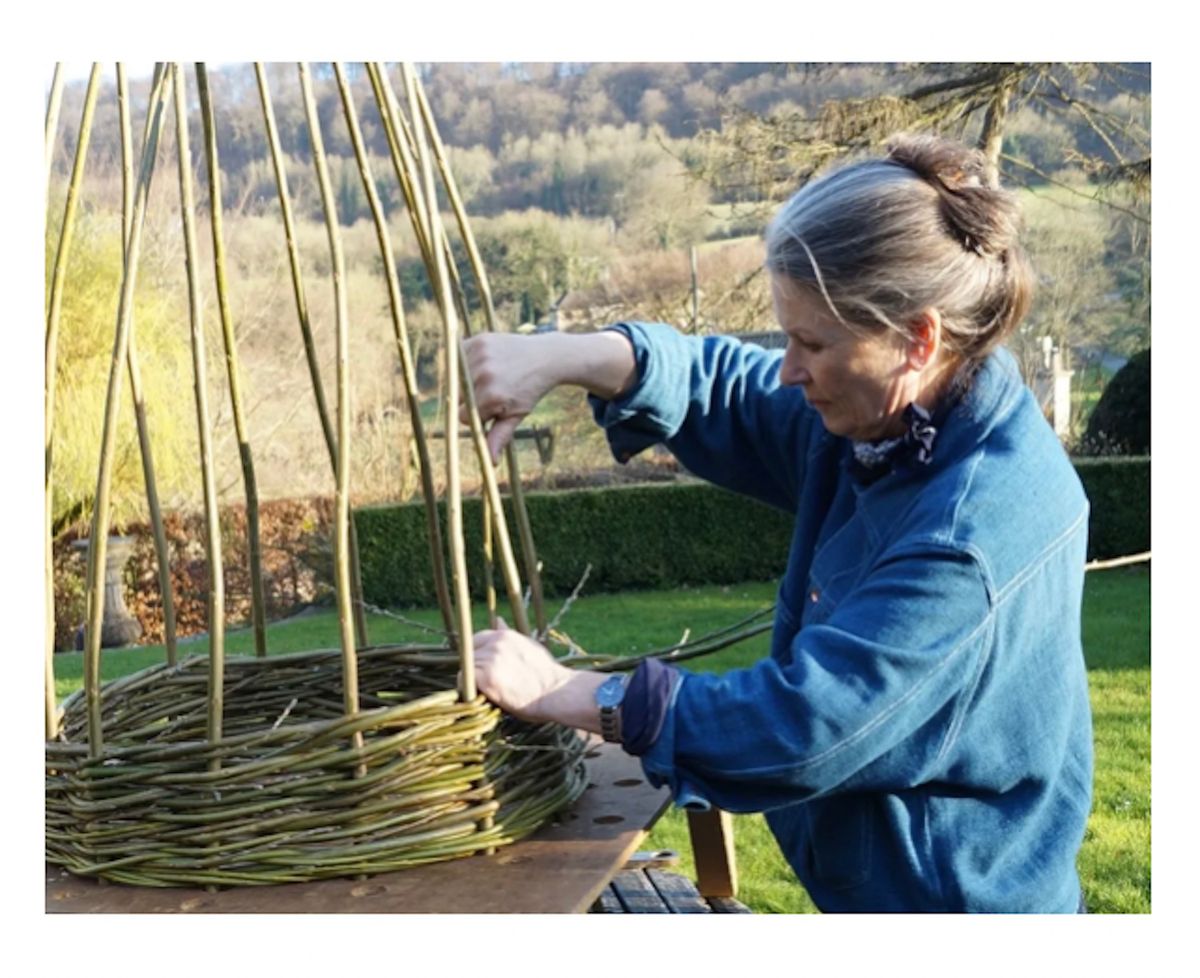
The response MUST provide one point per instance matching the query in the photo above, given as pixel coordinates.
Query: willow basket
(285, 796)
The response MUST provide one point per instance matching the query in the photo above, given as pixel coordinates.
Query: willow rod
(524, 530)
(135, 380)
(51, 696)
(289, 229)
(53, 107)
(341, 565)
(1095, 565)
(310, 349)
(450, 341)
(402, 164)
(212, 527)
(508, 564)
(408, 171)
(408, 150)
(53, 315)
(257, 599)
(101, 516)
(404, 348)
(403, 149)
(66, 237)
(410, 156)
(489, 559)
(492, 493)
(406, 163)
(400, 143)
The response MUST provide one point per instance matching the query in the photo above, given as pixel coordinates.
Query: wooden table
(561, 868)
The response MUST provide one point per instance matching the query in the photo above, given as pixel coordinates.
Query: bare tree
(757, 157)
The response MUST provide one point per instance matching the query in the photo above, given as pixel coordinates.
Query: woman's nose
(793, 372)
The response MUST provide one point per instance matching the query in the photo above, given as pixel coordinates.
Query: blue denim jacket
(920, 736)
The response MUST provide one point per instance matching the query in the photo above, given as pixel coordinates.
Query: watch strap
(611, 713)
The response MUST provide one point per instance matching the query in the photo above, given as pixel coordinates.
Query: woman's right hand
(510, 373)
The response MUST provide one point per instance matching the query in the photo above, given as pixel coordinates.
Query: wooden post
(712, 845)
(695, 292)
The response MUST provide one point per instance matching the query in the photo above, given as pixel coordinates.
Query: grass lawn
(1115, 860)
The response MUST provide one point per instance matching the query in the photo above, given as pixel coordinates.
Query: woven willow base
(286, 796)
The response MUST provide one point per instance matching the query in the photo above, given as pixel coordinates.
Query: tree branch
(1066, 186)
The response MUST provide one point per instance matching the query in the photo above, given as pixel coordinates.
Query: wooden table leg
(712, 845)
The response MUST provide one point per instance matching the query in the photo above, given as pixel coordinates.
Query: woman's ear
(925, 339)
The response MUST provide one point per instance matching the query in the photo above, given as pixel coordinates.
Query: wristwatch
(609, 697)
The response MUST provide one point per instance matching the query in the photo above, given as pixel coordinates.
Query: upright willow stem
(66, 237)
(310, 349)
(400, 144)
(289, 230)
(53, 107)
(412, 160)
(100, 517)
(53, 315)
(257, 592)
(342, 519)
(135, 381)
(212, 525)
(489, 559)
(520, 511)
(400, 162)
(404, 348)
(450, 340)
(493, 503)
(443, 260)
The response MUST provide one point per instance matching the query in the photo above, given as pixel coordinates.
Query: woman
(920, 736)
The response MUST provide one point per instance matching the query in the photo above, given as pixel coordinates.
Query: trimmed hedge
(1118, 487)
(653, 536)
(667, 535)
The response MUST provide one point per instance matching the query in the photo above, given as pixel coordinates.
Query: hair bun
(982, 217)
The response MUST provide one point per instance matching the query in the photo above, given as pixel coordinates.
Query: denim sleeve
(869, 699)
(718, 405)
(647, 698)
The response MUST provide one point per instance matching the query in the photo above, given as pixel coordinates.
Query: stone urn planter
(119, 626)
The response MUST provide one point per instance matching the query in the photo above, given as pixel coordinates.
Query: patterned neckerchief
(874, 459)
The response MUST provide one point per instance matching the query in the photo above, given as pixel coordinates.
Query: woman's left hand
(522, 678)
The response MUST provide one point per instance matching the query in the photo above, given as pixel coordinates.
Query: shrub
(85, 341)
(1120, 423)
(678, 534)
(1118, 490)
(634, 537)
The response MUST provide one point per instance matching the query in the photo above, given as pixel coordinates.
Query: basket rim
(308, 731)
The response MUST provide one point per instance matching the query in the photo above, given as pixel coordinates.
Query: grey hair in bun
(884, 239)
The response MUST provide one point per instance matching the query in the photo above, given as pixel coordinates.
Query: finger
(501, 434)
(501, 624)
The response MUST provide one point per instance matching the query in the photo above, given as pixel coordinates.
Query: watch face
(611, 692)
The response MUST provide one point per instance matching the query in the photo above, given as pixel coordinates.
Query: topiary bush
(1120, 423)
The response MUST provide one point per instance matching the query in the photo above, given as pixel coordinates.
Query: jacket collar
(976, 403)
